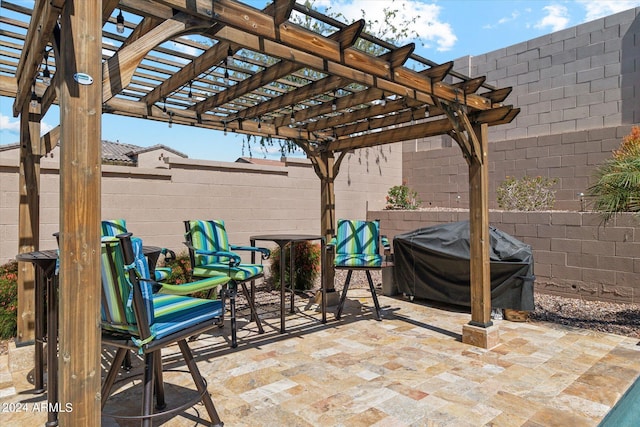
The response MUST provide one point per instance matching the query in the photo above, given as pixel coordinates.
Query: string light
(259, 123)
(190, 95)
(120, 23)
(334, 107)
(164, 106)
(170, 119)
(34, 97)
(292, 119)
(46, 74)
(229, 56)
(383, 100)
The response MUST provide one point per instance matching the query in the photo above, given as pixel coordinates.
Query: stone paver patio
(411, 369)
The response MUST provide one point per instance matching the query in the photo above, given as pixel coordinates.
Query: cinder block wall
(441, 176)
(579, 93)
(574, 254)
(252, 199)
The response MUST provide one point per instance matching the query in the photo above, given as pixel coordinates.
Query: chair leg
(200, 384)
(232, 306)
(343, 297)
(374, 295)
(252, 307)
(159, 383)
(148, 381)
(113, 373)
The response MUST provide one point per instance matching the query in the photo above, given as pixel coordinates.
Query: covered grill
(433, 263)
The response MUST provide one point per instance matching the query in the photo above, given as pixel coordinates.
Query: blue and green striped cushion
(175, 313)
(162, 273)
(238, 273)
(166, 313)
(113, 227)
(358, 260)
(209, 236)
(115, 288)
(357, 244)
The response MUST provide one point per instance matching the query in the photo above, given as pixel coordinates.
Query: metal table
(282, 240)
(47, 279)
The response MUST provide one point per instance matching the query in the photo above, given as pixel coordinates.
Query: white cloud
(11, 125)
(423, 17)
(502, 21)
(598, 9)
(556, 18)
(7, 124)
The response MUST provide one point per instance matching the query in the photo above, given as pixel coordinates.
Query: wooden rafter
(39, 35)
(257, 30)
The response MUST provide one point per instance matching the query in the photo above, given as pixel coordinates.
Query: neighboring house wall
(252, 199)
(579, 94)
(574, 254)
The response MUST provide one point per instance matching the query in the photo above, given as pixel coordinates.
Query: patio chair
(211, 254)
(357, 247)
(134, 318)
(113, 227)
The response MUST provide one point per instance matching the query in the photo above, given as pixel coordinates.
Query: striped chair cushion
(117, 291)
(238, 273)
(162, 273)
(358, 260)
(357, 244)
(209, 236)
(175, 313)
(113, 227)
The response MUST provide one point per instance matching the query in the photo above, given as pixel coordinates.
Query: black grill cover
(433, 263)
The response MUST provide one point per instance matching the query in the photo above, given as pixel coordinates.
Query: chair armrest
(264, 252)
(385, 245)
(235, 258)
(192, 287)
(169, 255)
(332, 242)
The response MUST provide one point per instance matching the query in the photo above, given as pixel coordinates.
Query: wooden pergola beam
(258, 31)
(346, 37)
(39, 35)
(198, 66)
(420, 130)
(119, 69)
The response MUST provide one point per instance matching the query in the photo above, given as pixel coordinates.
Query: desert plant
(8, 300)
(617, 180)
(526, 193)
(306, 265)
(401, 197)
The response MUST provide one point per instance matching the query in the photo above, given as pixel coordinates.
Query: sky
(442, 30)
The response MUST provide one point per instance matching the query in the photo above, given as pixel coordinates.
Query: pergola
(223, 65)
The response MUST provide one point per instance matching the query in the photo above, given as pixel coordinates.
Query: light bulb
(46, 76)
(120, 23)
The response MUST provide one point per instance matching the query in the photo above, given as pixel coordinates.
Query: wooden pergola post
(80, 192)
(326, 169)
(480, 331)
(28, 217)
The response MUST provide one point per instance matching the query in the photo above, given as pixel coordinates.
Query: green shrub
(306, 265)
(617, 181)
(526, 193)
(401, 197)
(8, 300)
